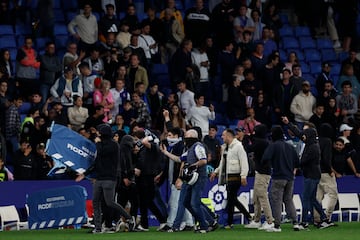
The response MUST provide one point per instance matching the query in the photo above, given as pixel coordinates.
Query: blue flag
(67, 147)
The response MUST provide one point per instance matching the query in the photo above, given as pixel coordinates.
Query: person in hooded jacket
(310, 165)
(126, 186)
(283, 160)
(262, 179)
(327, 184)
(105, 167)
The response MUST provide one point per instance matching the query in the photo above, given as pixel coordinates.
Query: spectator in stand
(251, 87)
(96, 64)
(66, 86)
(56, 112)
(271, 18)
(136, 73)
(227, 60)
(323, 76)
(283, 94)
(124, 60)
(268, 43)
(180, 65)
(213, 145)
(120, 95)
(3, 170)
(317, 118)
(172, 35)
(88, 78)
(26, 67)
(4, 103)
(242, 22)
(302, 105)
(332, 113)
(197, 23)
(342, 161)
(103, 96)
(13, 123)
(236, 103)
(270, 75)
(108, 23)
(246, 45)
(43, 162)
(77, 114)
(123, 37)
(348, 75)
(138, 50)
(175, 13)
(256, 17)
(199, 115)
(45, 19)
(222, 21)
(131, 19)
(353, 61)
(119, 127)
(71, 58)
(173, 118)
(249, 123)
(24, 162)
(296, 78)
(84, 28)
(292, 60)
(348, 12)
(7, 72)
(129, 114)
(7, 16)
(156, 100)
(201, 60)
(263, 110)
(96, 119)
(154, 22)
(50, 69)
(111, 59)
(148, 44)
(347, 103)
(185, 96)
(258, 58)
(143, 118)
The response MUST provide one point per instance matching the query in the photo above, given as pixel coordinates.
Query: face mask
(190, 141)
(173, 141)
(306, 91)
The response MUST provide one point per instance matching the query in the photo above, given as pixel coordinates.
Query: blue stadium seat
(335, 78)
(302, 31)
(163, 80)
(307, 43)
(57, 4)
(24, 108)
(284, 18)
(40, 44)
(343, 56)
(6, 30)
(324, 43)
(220, 130)
(310, 78)
(8, 41)
(313, 90)
(69, 5)
(304, 67)
(329, 55)
(290, 43)
(159, 68)
(59, 16)
(335, 69)
(315, 67)
(61, 30)
(312, 55)
(21, 29)
(70, 16)
(13, 53)
(286, 31)
(283, 55)
(61, 42)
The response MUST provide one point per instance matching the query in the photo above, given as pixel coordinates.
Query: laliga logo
(219, 196)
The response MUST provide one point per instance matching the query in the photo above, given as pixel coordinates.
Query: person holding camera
(249, 123)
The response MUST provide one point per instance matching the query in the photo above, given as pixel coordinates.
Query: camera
(138, 144)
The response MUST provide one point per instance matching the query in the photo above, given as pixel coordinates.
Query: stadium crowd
(216, 58)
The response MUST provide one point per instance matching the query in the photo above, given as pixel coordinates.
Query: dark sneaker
(201, 230)
(171, 230)
(165, 229)
(188, 228)
(96, 231)
(304, 226)
(326, 224)
(213, 226)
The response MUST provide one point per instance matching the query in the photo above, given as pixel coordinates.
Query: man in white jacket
(233, 170)
(302, 105)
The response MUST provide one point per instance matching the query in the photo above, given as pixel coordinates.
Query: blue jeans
(310, 202)
(175, 207)
(192, 201)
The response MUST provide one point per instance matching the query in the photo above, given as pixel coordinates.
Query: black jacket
(126, 158)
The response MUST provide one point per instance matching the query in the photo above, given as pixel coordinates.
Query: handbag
(155, 57)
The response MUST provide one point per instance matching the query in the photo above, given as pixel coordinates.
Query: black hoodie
(310, 159)
(325, 142)
(258, 146)
(126, 157)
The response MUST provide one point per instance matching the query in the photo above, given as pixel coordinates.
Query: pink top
(99, 98)
(248, 125)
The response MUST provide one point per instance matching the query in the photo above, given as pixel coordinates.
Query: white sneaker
(253, 224)
(266, 226)
(140, 228)
(274, 229)
(162, 225)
